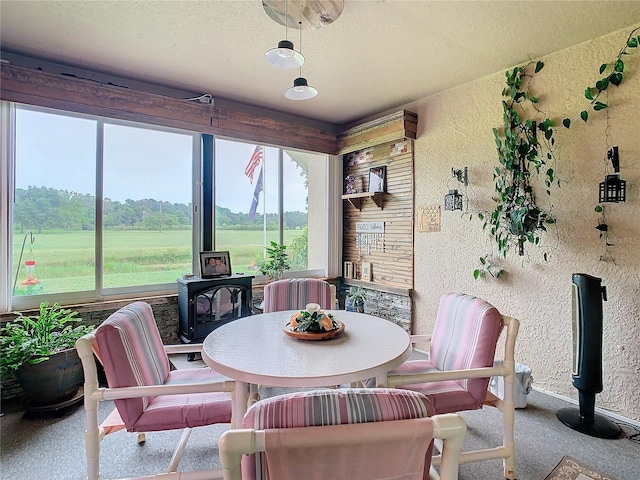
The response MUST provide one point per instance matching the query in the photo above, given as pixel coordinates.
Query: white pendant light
(301, 90)
(284, 56)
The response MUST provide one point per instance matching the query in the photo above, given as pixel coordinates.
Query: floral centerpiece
(313, 320)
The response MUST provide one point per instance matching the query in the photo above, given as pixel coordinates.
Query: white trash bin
(521, 386)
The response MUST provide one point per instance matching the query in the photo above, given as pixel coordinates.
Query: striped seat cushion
(447, 396)
(132, 352)
(168, 412)
(296, 293)
(330, 407)
(465, 336)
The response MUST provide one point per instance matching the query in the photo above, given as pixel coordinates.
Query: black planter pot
(53, 381)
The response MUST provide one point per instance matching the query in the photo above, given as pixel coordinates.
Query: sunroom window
(265, 194)
(101, 208)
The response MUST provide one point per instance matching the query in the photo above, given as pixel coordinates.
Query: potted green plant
(276, 263)
(40, 352)
(354, 301)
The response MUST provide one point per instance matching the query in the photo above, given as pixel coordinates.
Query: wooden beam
(34, 87)
(64, 92)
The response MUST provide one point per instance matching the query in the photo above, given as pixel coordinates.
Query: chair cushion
(465, 336)
(131, 350)
(447, 396)
(296, 293)
(331, 407)
(168, 412)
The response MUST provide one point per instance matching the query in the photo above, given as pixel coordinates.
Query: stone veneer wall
(394, 304)
(165, 311)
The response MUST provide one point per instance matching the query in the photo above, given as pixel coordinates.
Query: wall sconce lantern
(453, 200)
(613, 189)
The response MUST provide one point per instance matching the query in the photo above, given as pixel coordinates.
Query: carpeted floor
(53, 448)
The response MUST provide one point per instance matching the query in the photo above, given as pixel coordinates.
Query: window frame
(203, 185)
(99, 292)
(209, 207)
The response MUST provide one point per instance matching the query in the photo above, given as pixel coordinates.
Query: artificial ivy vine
(613, 74)
(525, 151)
(517, 217)
(603, 228)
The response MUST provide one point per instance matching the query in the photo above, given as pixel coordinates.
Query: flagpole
(264, 203)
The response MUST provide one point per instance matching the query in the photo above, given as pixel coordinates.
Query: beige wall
(455, 131)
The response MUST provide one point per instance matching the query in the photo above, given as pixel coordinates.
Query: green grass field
(65, 261)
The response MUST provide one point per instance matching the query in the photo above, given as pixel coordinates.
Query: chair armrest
(235, 443)
(183, 348)
(485, 372)
(155, 390)
(420, 338)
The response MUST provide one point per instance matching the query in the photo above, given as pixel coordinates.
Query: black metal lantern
(453, 200)
(613, 189)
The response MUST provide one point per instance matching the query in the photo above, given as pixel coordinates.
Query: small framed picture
(377, 179)
(365, 269)
(348, 270)
(214, 264)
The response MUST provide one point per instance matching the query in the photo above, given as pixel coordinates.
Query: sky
(59, 152)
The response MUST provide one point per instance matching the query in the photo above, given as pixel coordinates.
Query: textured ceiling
(378, 55)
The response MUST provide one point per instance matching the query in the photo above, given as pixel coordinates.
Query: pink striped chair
(461, 361)
(148, 395)
(344, 434)
(296, 293)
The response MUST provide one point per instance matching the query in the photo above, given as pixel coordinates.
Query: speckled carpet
(53, 448)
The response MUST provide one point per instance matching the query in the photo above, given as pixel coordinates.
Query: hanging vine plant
(612, 74)
(603, 228)
(525, 153)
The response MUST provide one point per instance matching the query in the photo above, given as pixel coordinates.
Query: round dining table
(255, 350)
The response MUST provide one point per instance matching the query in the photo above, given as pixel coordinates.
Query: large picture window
(266, 194)
(100, 208)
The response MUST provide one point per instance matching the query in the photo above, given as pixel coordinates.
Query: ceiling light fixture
(301, 90)
(284, 56)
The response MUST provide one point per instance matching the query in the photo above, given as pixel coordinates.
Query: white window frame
(333, 220)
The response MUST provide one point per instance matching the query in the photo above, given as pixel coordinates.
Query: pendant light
(284, 56)
(301, 90)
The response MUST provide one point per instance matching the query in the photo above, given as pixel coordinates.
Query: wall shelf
(355, 199)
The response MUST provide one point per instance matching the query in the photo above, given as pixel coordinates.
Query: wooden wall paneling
(392, 267)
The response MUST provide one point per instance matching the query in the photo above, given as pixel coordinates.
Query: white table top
(256, 350)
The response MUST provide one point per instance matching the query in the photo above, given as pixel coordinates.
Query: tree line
(43, 208)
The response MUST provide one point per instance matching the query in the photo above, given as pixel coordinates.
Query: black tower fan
(587, 295)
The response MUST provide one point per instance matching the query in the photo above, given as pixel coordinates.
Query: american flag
(254, 161)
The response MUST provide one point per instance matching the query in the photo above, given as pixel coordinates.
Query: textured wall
(455, 131)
